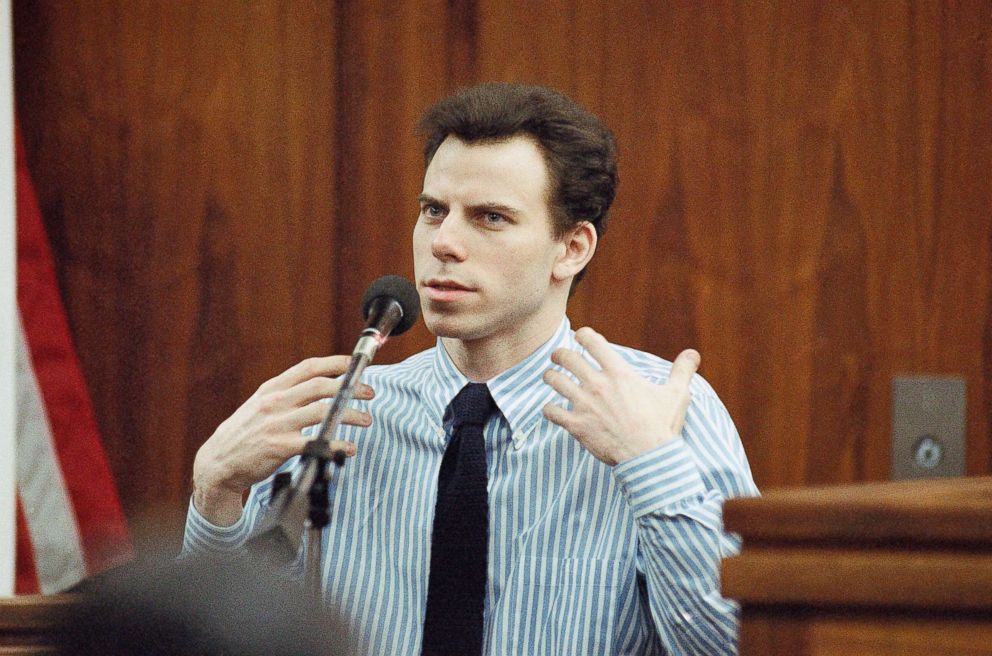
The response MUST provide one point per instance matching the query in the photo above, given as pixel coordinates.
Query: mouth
(445, 289)
(445, 284)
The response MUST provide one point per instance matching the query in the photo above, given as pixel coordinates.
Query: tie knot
(472, 405)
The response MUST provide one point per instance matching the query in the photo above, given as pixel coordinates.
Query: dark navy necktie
(460, 541)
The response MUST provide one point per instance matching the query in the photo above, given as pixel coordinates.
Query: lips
(446, 290)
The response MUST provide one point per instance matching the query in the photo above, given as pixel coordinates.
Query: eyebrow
(487, 206)
(424, 199)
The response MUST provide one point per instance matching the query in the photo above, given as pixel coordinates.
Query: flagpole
(8, 305)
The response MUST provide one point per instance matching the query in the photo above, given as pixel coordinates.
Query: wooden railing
(884, 569)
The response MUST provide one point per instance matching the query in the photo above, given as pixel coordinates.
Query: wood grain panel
(393, 65)
(804, 197)
(936, 513)
(183, 156)
(901, 636)
(839, 634)
(765, 179)
(850, 577)
(880, 568)
(31, 625)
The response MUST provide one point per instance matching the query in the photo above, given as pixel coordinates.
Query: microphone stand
(303, 503)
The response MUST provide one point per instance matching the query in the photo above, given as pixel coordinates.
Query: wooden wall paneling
(565, 46)
(692, 256)
(397, 59)
(803, 197)
(916, 129)
(183, 159)
(60, 151)
(674, 105)
(534, 42)
(754, 133)
(832, 267)
(962, 273)
(640, 290)
(752, 139)
(842, 634)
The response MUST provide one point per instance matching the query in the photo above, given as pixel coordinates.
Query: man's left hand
(616, 413)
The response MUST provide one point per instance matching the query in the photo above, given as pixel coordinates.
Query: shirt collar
(520, 392)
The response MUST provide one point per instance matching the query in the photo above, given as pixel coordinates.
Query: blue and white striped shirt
(584, 558)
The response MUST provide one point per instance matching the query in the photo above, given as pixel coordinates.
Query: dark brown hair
(579, 151)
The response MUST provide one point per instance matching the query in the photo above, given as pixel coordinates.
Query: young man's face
(483, 247)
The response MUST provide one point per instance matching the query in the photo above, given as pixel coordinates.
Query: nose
(448, 244)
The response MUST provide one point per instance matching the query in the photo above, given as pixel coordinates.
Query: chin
(451, 327)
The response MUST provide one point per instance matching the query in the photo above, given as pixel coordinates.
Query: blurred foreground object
(199, 606)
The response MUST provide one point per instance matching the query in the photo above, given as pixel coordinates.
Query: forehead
(510, 169)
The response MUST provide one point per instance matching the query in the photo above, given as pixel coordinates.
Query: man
(604, 468)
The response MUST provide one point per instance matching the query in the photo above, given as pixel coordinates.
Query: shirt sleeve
(202, 538)
(676, 495)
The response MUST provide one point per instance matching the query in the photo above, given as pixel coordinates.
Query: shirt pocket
(571, 605)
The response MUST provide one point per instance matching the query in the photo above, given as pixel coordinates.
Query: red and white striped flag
(69, 519)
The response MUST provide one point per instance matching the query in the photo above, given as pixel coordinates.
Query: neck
(485, 358)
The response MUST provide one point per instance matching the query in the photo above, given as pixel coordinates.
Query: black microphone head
(400, 290)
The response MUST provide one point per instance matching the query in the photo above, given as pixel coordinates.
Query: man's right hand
(262, 434)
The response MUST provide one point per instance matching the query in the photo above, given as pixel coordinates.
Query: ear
(578, 246)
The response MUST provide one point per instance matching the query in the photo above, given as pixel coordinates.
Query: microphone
(390, 306)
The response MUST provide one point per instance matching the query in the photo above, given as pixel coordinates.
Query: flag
(69, 519)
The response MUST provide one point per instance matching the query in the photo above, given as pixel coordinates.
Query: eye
(493, 218)
(432, 211)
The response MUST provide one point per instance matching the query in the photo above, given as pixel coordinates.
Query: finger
(559, 415)
(601, 350)
(348, 448)
(574, 362)
(288, 445)
(294, 445)
(320, 387)
(678, 421)
(562, 384)
(684, 368)
(332, 365)
(358, 418)
(314, 414)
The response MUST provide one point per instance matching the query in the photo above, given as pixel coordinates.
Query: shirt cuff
(659, 478)
(203, 537)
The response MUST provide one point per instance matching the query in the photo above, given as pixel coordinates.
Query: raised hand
(265, 432)
(616, 413)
